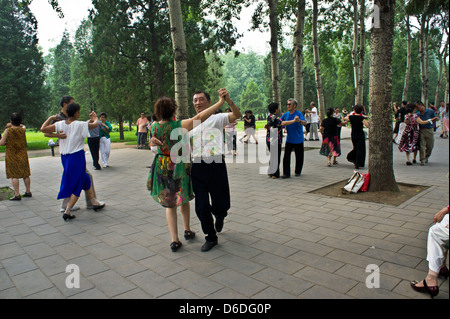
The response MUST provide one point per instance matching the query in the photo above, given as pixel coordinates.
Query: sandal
(329, 164)
(175, 245)
(189, 234)
(16, 198)
(433, 291)
(335, 162)
(27, 195)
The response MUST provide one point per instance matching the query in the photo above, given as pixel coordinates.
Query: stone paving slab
(279, 240)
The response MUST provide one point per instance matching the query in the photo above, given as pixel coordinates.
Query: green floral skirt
(170, 183)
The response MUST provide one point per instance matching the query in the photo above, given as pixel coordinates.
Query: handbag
(354, 183)
(365, 185)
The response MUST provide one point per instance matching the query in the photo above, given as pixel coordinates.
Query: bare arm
(3, 139)
(93, 122)
(47, 127)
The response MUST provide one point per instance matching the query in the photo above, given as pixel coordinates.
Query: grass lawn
(37, 140)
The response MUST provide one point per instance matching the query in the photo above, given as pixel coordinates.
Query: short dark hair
(405, 103)
(358, 109)
(103, 114)
(72, 108)
(330, 112)
(419, 103)
(16, 119)
(410, 107)
(165, 108)
(66, 100)
(273, 107)
(208, 97)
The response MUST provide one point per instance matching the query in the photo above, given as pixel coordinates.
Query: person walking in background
(231, 136)
(410, 137)
(426, 131)
(105, 140)
(250, 126)
(142, 130)
(444, 116)
(74, 178)
(294, 140)
(331, 146)
(16, 157)
(169, 180)
(94, 146)
(308, 122)
(358, 122)
(315, 121)
(337, 115)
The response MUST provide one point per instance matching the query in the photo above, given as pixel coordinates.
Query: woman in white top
(74, 178)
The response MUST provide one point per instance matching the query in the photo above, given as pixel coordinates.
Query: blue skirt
(74, 178)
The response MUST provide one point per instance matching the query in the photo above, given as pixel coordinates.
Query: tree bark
(319, 85)
(355, 59)
(276, 80)
(380, 142)
(362, 52)
(180, 58)
(423, 52)
(408, 60)
(298, 54)
(446, 97)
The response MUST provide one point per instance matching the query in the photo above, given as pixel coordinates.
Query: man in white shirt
(315, 120)
(209, 172)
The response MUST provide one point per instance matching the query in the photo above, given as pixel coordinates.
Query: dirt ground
(407, 191)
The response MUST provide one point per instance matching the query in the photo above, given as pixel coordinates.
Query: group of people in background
(415, 128)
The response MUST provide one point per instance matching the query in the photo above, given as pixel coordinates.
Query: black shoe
(66, 217)
(219, 224)
(408, 163)
(285, 176)
(208, 245)
(98, 168)
(297, 175)
(175, 245)
(189, 234)
(16, 198)
(97, 207)
(27, 195)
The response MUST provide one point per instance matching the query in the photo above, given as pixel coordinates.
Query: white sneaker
(74, 208)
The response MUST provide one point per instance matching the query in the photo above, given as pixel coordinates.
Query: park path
(279, 240)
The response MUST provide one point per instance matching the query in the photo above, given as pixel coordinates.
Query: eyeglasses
(289, 104)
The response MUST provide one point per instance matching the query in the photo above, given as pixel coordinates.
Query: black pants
(210, 180)
(94, 148)
(299, 156)
(274, 163)
(359, 149)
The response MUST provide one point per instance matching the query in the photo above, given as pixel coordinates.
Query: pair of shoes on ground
(289, 176)
(18, 197)
(188, 235)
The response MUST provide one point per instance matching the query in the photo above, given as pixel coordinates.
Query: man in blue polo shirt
(294, 140)
(426, 132)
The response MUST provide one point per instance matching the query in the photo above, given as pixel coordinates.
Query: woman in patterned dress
(16, 160)
(169, 180)
(410, 138)
(331, 146)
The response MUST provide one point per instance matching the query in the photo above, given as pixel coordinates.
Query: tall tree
(380, 137)
(298, 54)
(180, 58)
(21, 64)
(274, 50)
(319, 84)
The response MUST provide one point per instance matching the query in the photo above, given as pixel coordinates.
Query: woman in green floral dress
(169, 180)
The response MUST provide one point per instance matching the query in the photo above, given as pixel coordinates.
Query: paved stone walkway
(279, 240)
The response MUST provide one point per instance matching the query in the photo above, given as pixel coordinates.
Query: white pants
(437, 235)
(313, 132)
(105, 149)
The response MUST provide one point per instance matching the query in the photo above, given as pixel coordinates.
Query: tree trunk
(319, 85)
(355, 59)
(274, 51)
(446, 97)
(362, 52)
(380, 142)
(180, 58)
(155, 49)
(298, 54)
(408, 60)
(122, 136)
(438, 86)
(423, 54)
